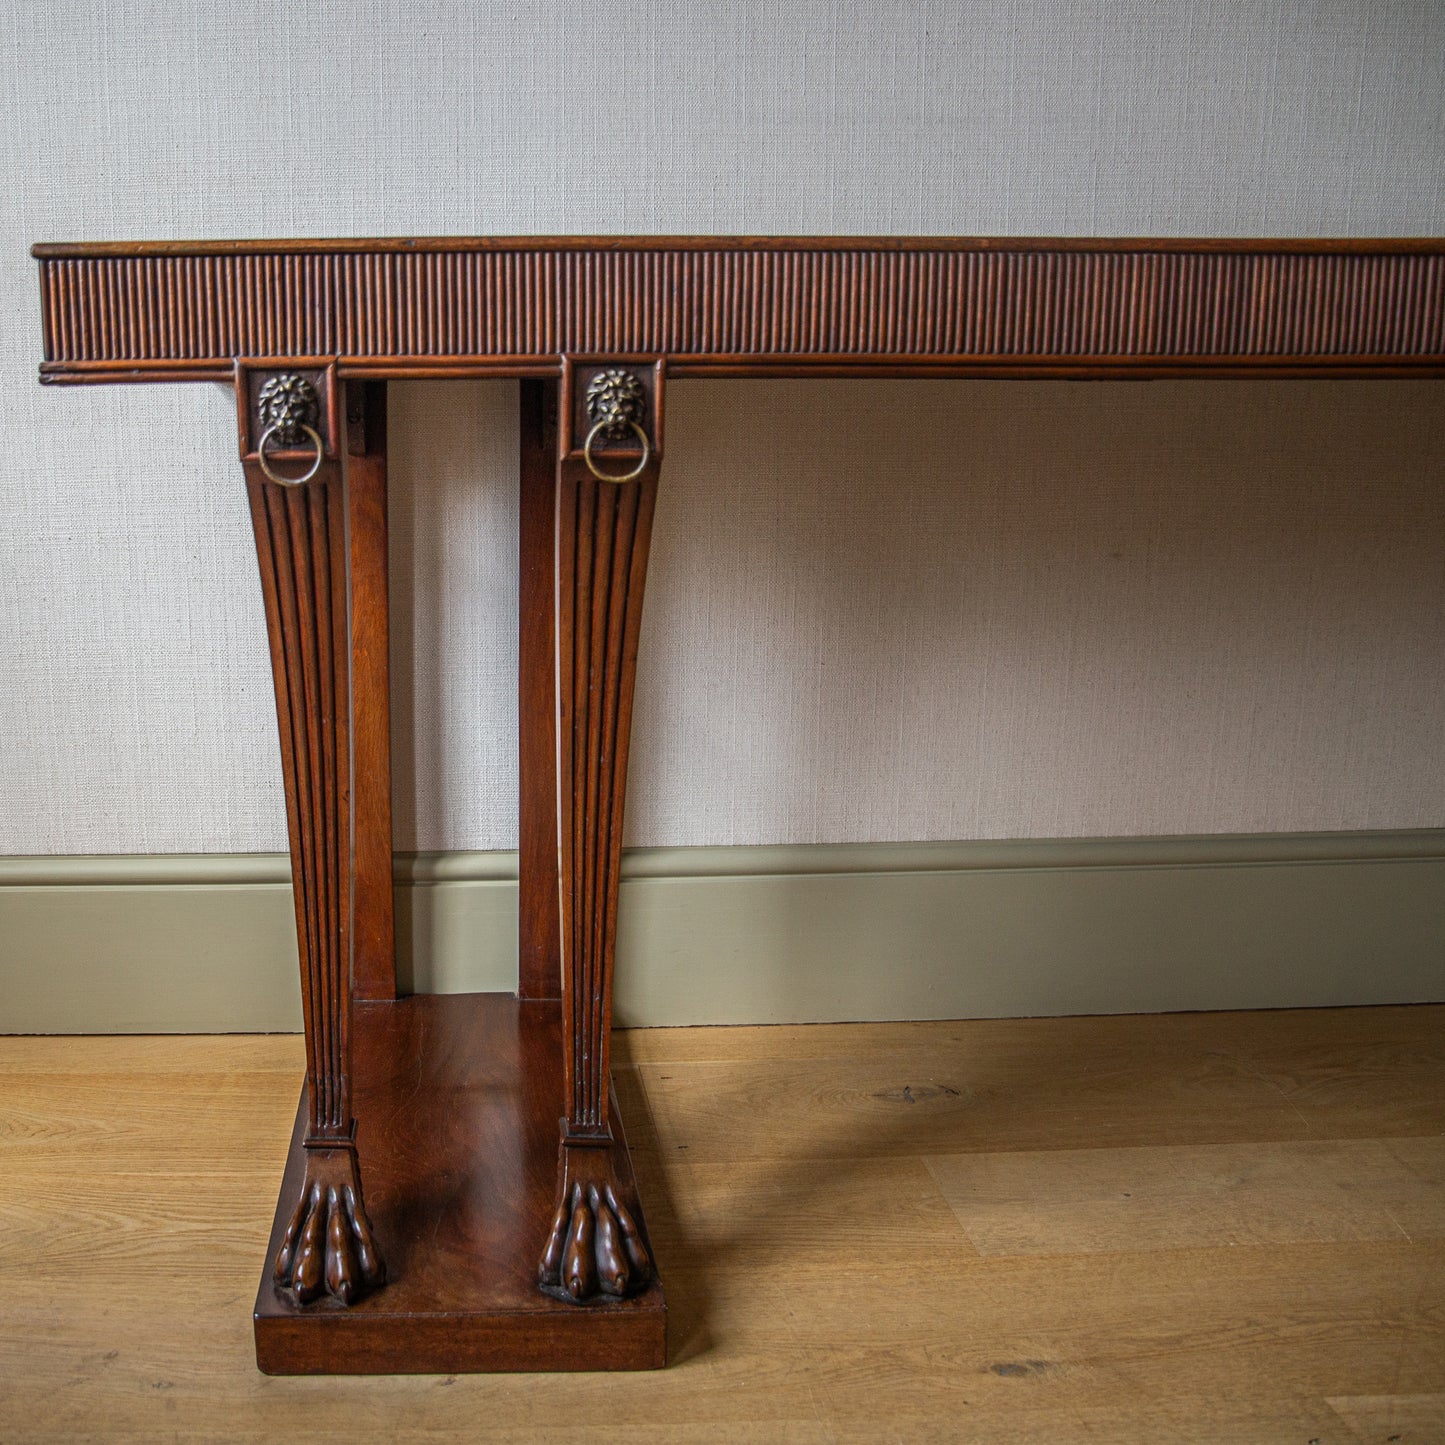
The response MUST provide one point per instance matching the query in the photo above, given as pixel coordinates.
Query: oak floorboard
(867, 1232)
(984, 1088)
(1392, 1417)
(1064, 1201)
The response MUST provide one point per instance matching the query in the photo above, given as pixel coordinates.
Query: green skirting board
(770, 934)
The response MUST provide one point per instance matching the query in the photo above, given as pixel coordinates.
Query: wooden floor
(1188, 1228)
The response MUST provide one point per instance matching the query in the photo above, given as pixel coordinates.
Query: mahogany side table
(500, 1226)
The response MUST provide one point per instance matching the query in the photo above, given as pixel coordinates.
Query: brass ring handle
(631, 476)
(310, 472)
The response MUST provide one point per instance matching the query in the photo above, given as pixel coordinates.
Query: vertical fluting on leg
(596, 1246)
(301, 548)
(602, 540)
(300, 539)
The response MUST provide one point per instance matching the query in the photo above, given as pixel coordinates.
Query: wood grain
(368, 311)
(425, 245)
(850, 1092)
(603, 536)
(1391, 1417)
(891, 1327)
(603, 531)
(746, 307)
(373, 968)
(301, 549)
(539, 942)
(1072, 1201)
(456, 1098)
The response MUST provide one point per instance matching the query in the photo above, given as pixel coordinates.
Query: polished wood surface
(603, 534)
(1162, 1230)
(539, 939)
(749, 307)
(373, 969)
(457, 1098)
(341, 318)
(301, 546)
(585, 546)
(423, 245)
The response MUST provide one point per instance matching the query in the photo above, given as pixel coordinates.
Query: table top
(747, 306)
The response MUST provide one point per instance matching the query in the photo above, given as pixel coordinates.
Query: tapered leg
(595, 1245)
(301, 546)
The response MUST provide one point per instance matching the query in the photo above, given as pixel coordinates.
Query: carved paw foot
(328, 1245)
(595, 1247)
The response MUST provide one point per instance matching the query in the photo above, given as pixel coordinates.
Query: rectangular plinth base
(457, 1103)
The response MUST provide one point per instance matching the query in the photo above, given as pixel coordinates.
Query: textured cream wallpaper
(967, 610)
(878, 611)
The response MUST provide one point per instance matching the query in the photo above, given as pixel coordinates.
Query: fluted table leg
(596, 1245)
(301, 546)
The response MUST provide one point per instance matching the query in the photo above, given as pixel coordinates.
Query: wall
(880, 611)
